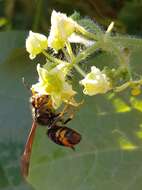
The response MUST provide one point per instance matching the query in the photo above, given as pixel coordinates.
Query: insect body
(64, 136)
(44, 114)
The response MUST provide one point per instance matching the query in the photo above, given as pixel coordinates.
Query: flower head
(36, 43)
(53, 83)
(95, 82)
(61, 28)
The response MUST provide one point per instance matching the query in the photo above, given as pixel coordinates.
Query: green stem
(66, 54)
(69, 49)
(73, 60)
(107, 44)
(122, 87)
(136, 82)
(128, 41)
(84, 54)
(122, 58)
(80, 71)
(127, 84)
(53, 59)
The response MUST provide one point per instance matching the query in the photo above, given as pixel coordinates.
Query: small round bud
(135, 91)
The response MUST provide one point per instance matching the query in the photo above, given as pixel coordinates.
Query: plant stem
(128, 41)
(84, 54)
(80, 71)
(69, 49)
(127, 84)
(53, 59)
(122, 87)
(73, 60)
(66, 54)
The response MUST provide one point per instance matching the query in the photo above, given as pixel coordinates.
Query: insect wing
(25, 160)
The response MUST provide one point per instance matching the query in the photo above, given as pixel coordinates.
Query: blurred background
(17, 17)
(35, 14)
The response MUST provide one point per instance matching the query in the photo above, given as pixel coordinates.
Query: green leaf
(15, 115)
(10, 41)
(109, 155)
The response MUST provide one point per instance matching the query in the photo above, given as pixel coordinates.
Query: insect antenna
(26, 85)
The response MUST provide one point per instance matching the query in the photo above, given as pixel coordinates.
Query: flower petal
(61, 28)
(53, 83)
(95, 82)
(35, 44)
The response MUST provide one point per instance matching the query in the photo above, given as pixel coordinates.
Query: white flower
(61, 28)
(95, 82)
(35, 44)
(53, 83)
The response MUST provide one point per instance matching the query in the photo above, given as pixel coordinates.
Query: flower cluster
(53, 75)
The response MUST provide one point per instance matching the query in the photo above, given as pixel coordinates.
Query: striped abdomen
(64, 136)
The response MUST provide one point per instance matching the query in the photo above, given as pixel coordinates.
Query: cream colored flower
(53, 83)
(95, 82)
(61, 28)
(35, 44)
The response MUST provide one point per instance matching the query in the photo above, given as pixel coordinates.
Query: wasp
(45, 115)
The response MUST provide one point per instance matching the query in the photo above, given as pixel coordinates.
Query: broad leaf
(15, 115)
(109, 155)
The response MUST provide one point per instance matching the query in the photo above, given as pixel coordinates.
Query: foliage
(110, 151)
(33, 14)
(109, 155)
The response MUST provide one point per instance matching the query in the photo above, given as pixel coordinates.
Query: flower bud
(35, 44)
(136, 90)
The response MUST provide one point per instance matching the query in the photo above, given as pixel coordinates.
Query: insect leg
(26, 84)
(67, 120)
